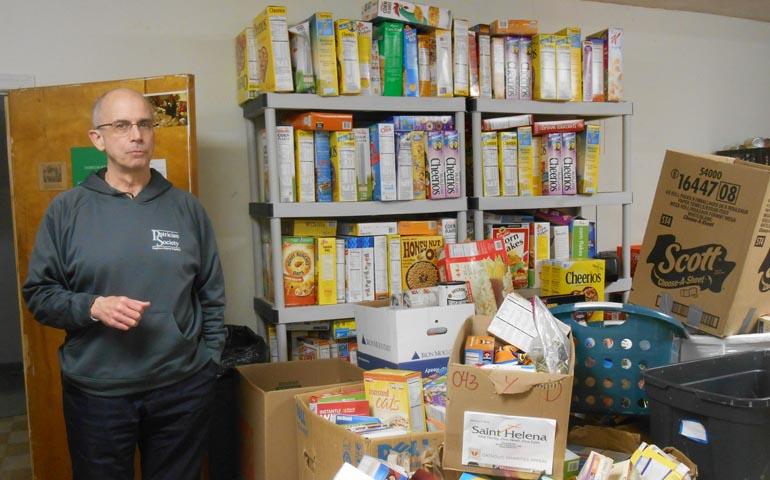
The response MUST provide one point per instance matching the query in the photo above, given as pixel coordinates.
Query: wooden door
(44, 125)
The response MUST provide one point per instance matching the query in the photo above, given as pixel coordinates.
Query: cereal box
(516, 242)
(588, 152)
(544, 67)
(363, 164)
(361, 229)
(246, 65)
(298, 255)
(525, 68)
(612, 62)
(375, 68)
(408, 12)
(320, 121)
(367, 268)
(348, 69)
(419, 161)
(353, 270)
(407, 123)
(479, 349)
(271, 36)
(563, 67)
(577, 276)
(497, 59)
(473, 65)
(426, 59)
(460, 63)
(418, 227)
(380, 267)
(303, 227)
(537, 173)
(511, 67)
(396, 397)
(489, 169)
(484, 50)
(525, 159)
(539, 249)
(419, 258)
(444, 62)
(284, 148)
(344, 328)
(568, 167)
(410, 63)
(513, 27)
(573, 35)
(343, 157)
(550, 164)
(365, 56)
(323, 166)
(394, 264)
(405, 165)
(339, 250)
(507, 155)
(324, 54)
(326, 270)
(452, 172)
(304, 156)
(383, 156)
(593, 70)
(389, 36)
(436, 187)
(302, 58)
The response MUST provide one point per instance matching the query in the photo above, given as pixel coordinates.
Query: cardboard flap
(513, 383)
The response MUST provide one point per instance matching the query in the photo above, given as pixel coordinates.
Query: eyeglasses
(122, 127)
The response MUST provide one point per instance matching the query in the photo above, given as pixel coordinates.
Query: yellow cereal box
(490, 172)
(323, 46)
(419, 165)
(303, 227)
(507, 163)
(525, 160)
(298, 271)
(418, 227)
(396, 397)
(539, 249)
(343, 157)
(576, 62)
(563, 67)
(577, 277)
(426, 58)
(349, 69)
(588, 153)
(365, 56)
(419, 258)
(246, 65)
(326, 270)
(544, 67)
(271, 34)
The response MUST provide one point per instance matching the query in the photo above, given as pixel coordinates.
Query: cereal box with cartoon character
(419, 258)
(298, 255)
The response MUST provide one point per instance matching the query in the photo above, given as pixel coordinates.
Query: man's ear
(96, 139)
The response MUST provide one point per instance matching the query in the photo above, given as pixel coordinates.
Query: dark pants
(169, 425)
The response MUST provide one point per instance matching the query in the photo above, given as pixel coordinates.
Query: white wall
(698, 82)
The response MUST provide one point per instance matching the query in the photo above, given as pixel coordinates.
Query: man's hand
(121, 313)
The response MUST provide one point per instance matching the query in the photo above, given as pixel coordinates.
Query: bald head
(119, 94)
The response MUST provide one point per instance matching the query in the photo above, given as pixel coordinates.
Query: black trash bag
(242, 347)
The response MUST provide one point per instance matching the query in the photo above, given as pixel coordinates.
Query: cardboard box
(266, 399)
(528, 395)
(489, 169)
(513, 27)
(418, 339)
(507, 154)
(452, 174)
(410, 63)
(389, 37)
(444, 60)
(298, 254)
(612, 62)
(704, 257)
(323, 447)
(544, 67)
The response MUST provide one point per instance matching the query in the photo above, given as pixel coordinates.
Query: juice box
(246, 65)
(435, 154)
(383, 156)
(525, 68)
(365, 56)
(302, 58)
(507, 154)
(544, 67)
(426, 59)
(563, 67)
(324, 50)
(588, 152)
(568, 166)
(497, 59)
(396, 397)
(550, 164)
(484, 50)
(460, 63)
(326, 270)
(489, 169)
(410, 63)
(284, 149)
(574, 37)
(452, 172)
(298, 254)
(419, 161)
(612, 62)
(343, 159)
(380, 267)
(525, 159)
(405, 165)
(304, 155)
(323, 166)
(271, 36)
(348, 69)
(419, 258)
(444, 62)
(511, 67)
(389, 36)
(363, 164)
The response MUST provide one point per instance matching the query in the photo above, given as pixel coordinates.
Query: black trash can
(242, 347)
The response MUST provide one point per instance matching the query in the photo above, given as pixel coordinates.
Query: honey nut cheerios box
(419, 260)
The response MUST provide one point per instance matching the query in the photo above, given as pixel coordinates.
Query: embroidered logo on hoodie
(165, 240)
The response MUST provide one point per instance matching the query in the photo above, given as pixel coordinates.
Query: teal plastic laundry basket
(610, 355)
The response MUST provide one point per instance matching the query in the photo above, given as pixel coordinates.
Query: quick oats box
(705, 258)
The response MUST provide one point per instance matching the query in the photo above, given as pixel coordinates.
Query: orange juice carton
(326, 270)
(304, 157)
(588, 153)
(451, 151)
(444, 62)
(479, 349)
(348, 67)
(511, 67)
(525, 160)
(612, 62)
(365, 56)
(484, 52)
(544, 67)
(273, 56)
(460, 51)
(298, 255)
(301, 58)
(404, 165)
(246, 65)
(419, 259)
(497, 61)
(396, 397)
(563, 67)
(568, 163)
(343, 157)
(410, 63)
(503, 27)
(489, 169)
(507, 156)
(324, 50)
(574, 37)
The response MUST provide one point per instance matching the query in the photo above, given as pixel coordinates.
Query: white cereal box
(324, 50)
(302, 58)
(353, 270)
(544, 67)
(511, 67)
(444, 62)
(460, 64)
(435, 154)
(380, 267)
(305, 165)
(507, 154)
(525, 68)
(273, 54)
(396, 397)
(343, 157)
(489, 169)
(497, 59)
(563, 67)
(394, 264)
(284, 148)
(404, 165)
(363, 164)
(340, 265)
(612, 62)
(573, 34)
(348, 68)
(484, 49)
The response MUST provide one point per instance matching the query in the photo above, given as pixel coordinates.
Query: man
(127, 264)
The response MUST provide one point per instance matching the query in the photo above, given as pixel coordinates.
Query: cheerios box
(531, 407)
(419, 258)
(273, 55)
(418, 339)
